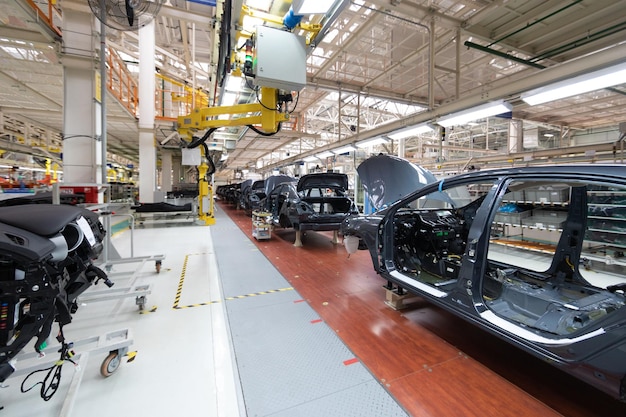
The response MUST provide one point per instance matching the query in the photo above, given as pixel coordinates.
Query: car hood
(323, 180)
(386, 179)
(274, 180)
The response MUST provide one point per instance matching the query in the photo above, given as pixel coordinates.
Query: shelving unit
(606, 235)
(538, 226)
(532, 228)
(261, 225)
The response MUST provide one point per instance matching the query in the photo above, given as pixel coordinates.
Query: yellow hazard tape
(179, 291)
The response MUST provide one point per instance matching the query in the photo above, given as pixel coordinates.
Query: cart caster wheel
(140, 301)
(110, 364)
(157, 266)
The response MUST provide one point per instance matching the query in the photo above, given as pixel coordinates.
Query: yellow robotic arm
(266, 113)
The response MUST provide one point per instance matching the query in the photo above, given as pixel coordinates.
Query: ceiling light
(372, 142)
(310, 159)
(585, 83)
(324, 154)
(344, 149)
(411, 131)
(475, 113)
(304, 7)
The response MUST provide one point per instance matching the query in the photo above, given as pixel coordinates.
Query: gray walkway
(290, 363)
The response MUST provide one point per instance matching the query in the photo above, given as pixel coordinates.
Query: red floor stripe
(350, 361)
(316, 321)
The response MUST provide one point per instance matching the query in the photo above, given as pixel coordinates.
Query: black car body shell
(591, 347)
(254, 195)
(318, 202)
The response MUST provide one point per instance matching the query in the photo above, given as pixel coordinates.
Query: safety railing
(121, 82)
(174, 98)
(48, 12)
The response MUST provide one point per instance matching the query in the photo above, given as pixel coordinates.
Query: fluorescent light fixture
(344, 149)
(475, 113)
(411, 131)
(310, 159)
(372, 142)
(324, 154)
(304, 7)
(592, 81)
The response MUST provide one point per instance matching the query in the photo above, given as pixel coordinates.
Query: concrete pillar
(401, 148)
(82, 124)
(147, 149)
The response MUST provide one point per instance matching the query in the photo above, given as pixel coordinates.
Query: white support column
(401, 148)
(147, 149)
(81, 111)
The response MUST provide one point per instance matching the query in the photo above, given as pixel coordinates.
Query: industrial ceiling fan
(125, 15)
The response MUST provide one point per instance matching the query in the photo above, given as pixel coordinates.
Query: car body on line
(317, 202)
(534, 255)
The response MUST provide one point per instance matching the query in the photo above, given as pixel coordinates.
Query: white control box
(280, 59)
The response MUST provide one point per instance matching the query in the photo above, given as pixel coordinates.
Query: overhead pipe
(534, 23)
(552, 52)
(581, 41)
(502, 55)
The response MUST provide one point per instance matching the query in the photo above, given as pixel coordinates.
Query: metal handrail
(48, 15)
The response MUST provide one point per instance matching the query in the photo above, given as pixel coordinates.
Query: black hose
(212, 168)
(195, 142)
(262, 133)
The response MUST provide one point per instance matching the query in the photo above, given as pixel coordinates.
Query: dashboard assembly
(46, 262)
(429, 241)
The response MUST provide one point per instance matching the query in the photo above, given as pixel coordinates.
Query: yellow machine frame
(265, 114)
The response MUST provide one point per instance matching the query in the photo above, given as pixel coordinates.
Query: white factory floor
(183, 364)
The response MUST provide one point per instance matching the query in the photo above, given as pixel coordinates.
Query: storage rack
(261, 225)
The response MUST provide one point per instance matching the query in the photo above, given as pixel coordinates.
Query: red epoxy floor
(434, 363)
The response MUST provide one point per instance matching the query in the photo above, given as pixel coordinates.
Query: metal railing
(48, 12)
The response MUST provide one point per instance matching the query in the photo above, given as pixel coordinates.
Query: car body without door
(534, 255)
(317, 202)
